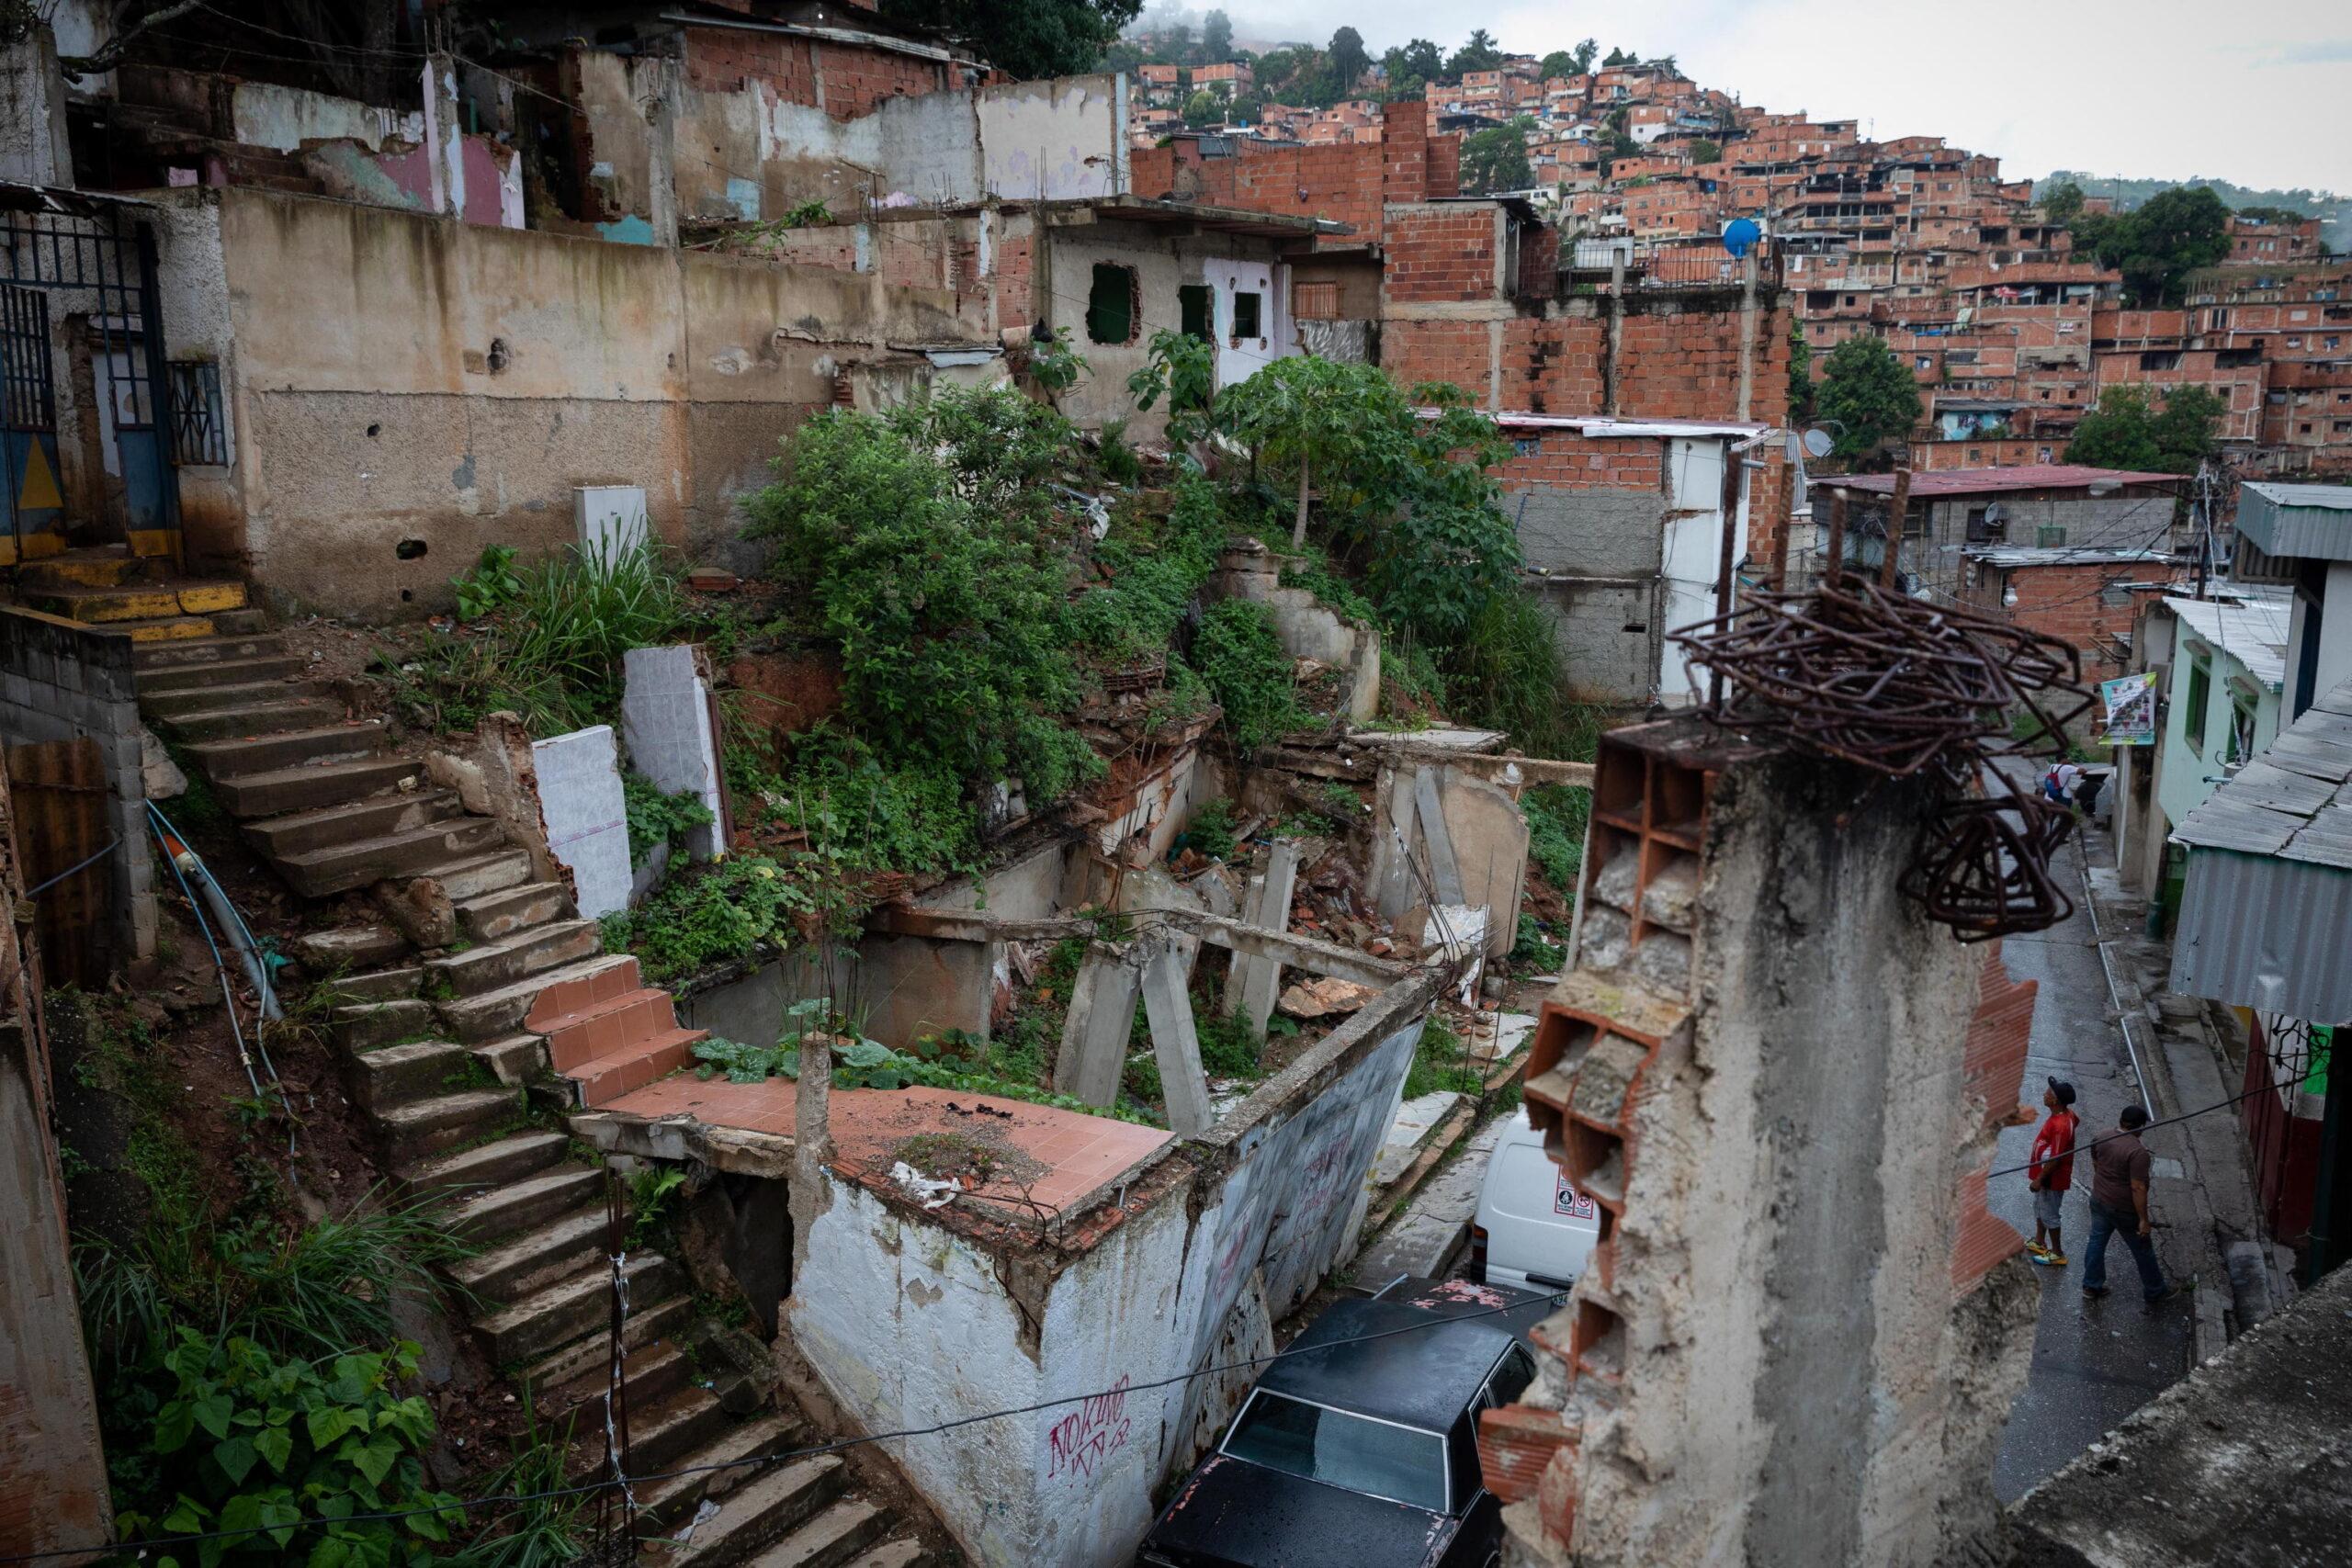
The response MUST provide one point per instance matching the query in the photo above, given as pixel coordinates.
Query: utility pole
(2204, 526)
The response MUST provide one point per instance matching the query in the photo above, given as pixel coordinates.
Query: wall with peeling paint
(397, 378)
(910, 1323)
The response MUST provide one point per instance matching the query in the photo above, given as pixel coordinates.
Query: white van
(1535, 1230)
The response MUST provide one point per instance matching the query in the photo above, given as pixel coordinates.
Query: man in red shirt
(2051, 1171)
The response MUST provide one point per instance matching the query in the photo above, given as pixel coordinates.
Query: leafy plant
(707, 914)
(1053, 364)
(655, 818)
(1181, 369)
(1120, 464)
(546, 1526)
(243, 1438)
(1441, 1061)
(1227, 1048)
(492, 584)
(1153, 576)
(650, 1194)
(1555, 824)
(1867, 396)
(810, 214)
(1534, 947)
(1210, 829)
(1238, 655)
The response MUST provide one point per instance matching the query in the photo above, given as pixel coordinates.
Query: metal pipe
(186, 861)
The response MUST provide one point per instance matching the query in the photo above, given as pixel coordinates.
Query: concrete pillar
(1184, 1086)
(1253, 913)
(1436, 842)
(33, 148)
(1100, 1022)
(812, 1148)
(1746, 330)
(443, 136)
(1261, 978)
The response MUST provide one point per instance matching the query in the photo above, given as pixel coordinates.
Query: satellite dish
(1740, 235)
(1997, 514)
(1817, 443)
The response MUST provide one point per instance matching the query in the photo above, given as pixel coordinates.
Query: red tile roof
(1994, 481)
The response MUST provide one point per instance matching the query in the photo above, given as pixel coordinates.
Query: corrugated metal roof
(2265, 919)
(2007, 556)
(2253, 633)
(2313, 521)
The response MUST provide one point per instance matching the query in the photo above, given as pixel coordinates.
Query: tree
(1413, 68)
(1216, 37)
(2061, 203)
(1321, 414)
(2127, 431)
(1495, 158)
(1559, 62)
(1478, 54)
(1174, 45)
(1203, 108)
(2159, 243)
(1348, 61)
(1248, 109)
(1666, 62)
(1705, 152)
(1582, 58)
(1869, 397)
(1024, 38)
(1617, 57)
(1800, 373)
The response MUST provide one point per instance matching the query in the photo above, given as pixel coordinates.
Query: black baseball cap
(2064, 1091)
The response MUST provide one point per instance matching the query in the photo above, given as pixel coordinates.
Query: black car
(1358, 1449)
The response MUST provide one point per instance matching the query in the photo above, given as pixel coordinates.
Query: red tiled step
(634, 1066)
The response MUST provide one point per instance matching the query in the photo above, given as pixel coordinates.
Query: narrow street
(2094, 1361)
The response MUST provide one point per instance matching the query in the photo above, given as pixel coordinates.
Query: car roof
(1423, 1376)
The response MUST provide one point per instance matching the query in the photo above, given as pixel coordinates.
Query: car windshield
(1354, 1451)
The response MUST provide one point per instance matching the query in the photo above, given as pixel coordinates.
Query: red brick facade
(2070, 601)
(846, 80)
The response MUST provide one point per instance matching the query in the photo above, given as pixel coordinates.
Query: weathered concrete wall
(399, 379)
(62, 680)
(910, 1322)
(264, 114)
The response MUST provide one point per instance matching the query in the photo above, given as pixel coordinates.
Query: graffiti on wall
(1081, 1442)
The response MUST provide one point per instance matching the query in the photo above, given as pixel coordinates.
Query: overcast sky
(2255, 91)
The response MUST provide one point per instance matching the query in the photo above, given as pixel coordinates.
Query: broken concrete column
(579, 780)
(665, 719)
(1100, 1022)
(1257, 981)
(812, 1146)
(1184, 1087)
(1437, 841)
(1489, 837)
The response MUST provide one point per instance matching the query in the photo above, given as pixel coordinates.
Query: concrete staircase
(445, 1046)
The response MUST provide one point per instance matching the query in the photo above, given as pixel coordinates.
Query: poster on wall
(2131, 704)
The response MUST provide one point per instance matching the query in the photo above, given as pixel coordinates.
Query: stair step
(494, 915)
(493, 1215)
(319, 874)
(651, 1371)
(486, 1165)
(570, 1308)
(503, 1012)
(365, 1026)
(177, 653)
(107, 566)
(608, 1079)
(901, 1553)
(302, 832)
(582, 1362)
(831, 1540)
(546, 1253)
(139, 601)
(422, 1127)
(157, 682)
(474, 875)
(579, 1041)
(518, 1059)
(529, 951)
(666, 1505)
(225, 759)
(769, 1505)
(191, 704)
(663, 1433)
(376, 985)
(302, 786)
(170, 629)
(397, 1073)
(251, 722)
(347, 949)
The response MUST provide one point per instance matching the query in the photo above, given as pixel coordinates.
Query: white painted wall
(1064, 139)
(1238, 359)
(1692, 555)
(909, 1324)
(284, 119)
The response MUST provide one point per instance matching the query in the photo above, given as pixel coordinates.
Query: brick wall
(1404, 151)
(1438, 254)
(1554, 364)
(1014, 258)
(1344, 182)
(1567, 459)
(1417, 351)
(856, 80)
(722, 60)
(2066, 602)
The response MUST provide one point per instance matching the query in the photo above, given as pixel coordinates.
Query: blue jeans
(2107, 1222)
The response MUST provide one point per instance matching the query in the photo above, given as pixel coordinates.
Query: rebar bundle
(1904, 688)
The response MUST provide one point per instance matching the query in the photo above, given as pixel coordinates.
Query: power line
(1552, 1299)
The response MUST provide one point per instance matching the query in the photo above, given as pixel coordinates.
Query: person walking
(2119, 1207)
(2050, 1171)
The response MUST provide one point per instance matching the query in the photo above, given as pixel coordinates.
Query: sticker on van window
(1566, 1200)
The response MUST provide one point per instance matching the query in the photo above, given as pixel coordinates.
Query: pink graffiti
(1081, 1440)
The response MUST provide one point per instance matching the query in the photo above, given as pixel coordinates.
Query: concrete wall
(2188, 775)
(62, 680)
(2326, 583)
(910, 1321)
(393, 378)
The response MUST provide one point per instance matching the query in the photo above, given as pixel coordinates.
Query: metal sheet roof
(1997, 481)
(2266, 917)
(2288, 520)
(2254, 634)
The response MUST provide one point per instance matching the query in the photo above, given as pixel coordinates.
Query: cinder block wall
(62, 681)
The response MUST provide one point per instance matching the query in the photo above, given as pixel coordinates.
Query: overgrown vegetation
(713, 912)
(1441, 1061)
(656, 818)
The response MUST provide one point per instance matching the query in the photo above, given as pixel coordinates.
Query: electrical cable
(112, 844)
(1551, 1298)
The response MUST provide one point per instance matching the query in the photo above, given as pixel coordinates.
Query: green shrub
(711, 913)
(655, 818)
(1441, 1061)
(243, 1437)
(1555, 823)
(1227, 1048)
(1210, 830)
(861, 815)
(1238, 654)
(1152, 580)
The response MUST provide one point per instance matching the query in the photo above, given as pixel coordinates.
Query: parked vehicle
(1533, 1229)
(1358, 1447)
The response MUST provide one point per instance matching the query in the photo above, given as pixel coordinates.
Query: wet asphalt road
(2094, 1361)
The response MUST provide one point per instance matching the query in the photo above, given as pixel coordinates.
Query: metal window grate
(198, 435)
(27, 393)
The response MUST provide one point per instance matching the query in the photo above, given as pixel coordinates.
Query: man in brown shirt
(2119, 1207)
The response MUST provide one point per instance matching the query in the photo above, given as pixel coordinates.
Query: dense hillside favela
(2019, 308)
